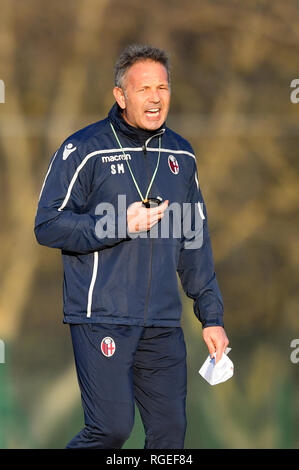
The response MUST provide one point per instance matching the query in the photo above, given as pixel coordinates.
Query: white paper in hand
(222, 371)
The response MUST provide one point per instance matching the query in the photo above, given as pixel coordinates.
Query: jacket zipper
(149, 280)
(151, 241)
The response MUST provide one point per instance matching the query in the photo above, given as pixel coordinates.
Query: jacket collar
(140, 136)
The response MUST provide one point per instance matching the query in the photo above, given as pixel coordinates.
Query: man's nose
(154, 96)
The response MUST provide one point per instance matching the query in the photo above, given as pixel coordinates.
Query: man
(121, 295)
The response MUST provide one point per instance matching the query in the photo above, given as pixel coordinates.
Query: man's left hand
(216, 340)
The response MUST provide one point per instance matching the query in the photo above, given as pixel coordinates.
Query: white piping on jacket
(199, 203)
(97, 152)
(92, 154)
(92, 282)
(152, 149)
(49, 169)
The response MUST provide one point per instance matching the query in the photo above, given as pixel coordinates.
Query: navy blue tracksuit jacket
(119, 279)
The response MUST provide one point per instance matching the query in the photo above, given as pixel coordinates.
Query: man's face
(146, 96)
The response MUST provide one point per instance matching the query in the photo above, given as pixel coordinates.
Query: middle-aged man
(108, 190)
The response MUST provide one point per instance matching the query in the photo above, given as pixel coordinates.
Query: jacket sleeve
(61, 221)
(196, 265)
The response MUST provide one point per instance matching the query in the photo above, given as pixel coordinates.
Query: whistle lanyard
(129, 166)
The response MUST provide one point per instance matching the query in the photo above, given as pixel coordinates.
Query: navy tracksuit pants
(118, 365)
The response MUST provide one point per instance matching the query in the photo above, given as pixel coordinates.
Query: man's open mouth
(154, 112)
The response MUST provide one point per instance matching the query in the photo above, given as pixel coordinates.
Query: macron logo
(116, 158)
(68, 149)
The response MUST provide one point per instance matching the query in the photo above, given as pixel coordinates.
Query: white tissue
(222, 371)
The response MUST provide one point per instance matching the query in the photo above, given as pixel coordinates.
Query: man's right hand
(141, 219)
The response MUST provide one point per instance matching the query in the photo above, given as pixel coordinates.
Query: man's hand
(216, 340)
(141, 219)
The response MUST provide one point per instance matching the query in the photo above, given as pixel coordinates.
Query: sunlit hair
(135, 53)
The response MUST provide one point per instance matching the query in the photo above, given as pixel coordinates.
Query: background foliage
(232, 65)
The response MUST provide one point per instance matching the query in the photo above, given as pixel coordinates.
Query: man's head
(142, 86)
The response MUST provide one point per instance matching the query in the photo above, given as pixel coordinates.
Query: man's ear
(119, 97)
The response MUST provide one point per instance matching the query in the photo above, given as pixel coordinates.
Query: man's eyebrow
(145, 85)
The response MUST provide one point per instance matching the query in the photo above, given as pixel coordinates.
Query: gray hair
(135, 53)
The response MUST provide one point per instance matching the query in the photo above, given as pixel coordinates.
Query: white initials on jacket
(119, 168)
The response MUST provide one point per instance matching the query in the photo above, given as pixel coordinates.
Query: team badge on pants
(108, 346)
